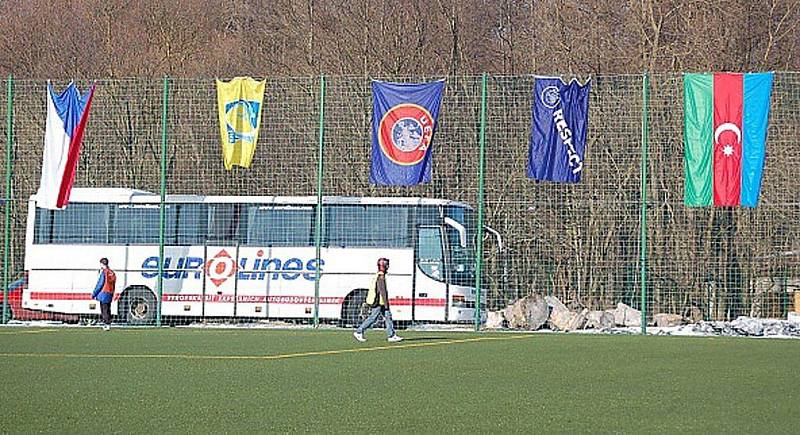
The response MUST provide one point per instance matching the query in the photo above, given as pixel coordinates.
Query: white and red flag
(67, 115)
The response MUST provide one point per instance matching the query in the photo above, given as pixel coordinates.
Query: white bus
(251, 256)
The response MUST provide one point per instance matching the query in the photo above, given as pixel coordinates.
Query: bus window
(80, 224)
(139, 224)
(367, 226)
(224, 223)
(192, 224)
(430, 255)
(280, 226)
(43, 226)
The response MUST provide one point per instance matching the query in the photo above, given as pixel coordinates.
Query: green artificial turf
(170, 380)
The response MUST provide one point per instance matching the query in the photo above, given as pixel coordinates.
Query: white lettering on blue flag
(558, 130)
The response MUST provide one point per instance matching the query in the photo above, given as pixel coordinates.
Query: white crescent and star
(728, 126)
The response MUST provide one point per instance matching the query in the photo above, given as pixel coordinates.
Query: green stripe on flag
(698, 126)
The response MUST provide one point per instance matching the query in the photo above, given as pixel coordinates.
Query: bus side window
(372, 226)
(430, 255)
(270, 225)
(224, 223)
(139, 224)
(192, 224)
(43, 226)
(81, 224)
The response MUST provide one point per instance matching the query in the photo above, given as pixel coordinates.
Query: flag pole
(479, 241)
(8, 203)
(643, 218)
(318, 223)
(162, 208)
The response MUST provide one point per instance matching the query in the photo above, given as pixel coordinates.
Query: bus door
(430, 286)
(219, 288)
(221, 260)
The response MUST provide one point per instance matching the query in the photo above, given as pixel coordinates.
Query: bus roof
(123, 196)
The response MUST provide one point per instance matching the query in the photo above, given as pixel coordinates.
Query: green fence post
(643, 219)
(479, 241)
(162, 208)
(318, 223)
(8, 202)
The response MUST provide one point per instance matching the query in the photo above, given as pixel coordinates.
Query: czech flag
(725, 130)
(67, 115)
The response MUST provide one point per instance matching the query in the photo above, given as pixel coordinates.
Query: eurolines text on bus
(222, 266)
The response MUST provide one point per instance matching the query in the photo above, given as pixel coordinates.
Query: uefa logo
(550, 97)
(405, 133)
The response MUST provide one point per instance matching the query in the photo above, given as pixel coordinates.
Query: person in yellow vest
(378, 299)
(104, 291)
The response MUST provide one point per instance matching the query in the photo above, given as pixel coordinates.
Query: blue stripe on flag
(69, 105)
(757, 89)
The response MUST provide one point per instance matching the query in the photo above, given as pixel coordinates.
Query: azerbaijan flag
(725, 128)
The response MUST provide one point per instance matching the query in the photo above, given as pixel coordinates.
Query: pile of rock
(536, 311)
(749, 327)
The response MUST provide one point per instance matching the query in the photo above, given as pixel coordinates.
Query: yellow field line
(260, 357)
(28, 332)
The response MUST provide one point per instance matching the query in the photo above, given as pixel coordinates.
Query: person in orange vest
(378, 299)
(104, 291)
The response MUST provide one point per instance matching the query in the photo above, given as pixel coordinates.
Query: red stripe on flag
(727, 139)
(73, 154)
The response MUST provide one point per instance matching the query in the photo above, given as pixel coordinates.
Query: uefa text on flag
(404, 121)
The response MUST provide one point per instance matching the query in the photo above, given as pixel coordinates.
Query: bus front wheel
(138, 307)
(353, 312)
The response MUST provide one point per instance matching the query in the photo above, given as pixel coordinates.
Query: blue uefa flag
(558, 131)
(404, 119)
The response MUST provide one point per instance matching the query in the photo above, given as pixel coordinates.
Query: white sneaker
(106, 327)
(394, 339)
(359, 337)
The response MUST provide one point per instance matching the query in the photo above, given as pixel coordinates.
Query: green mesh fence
(240, 246)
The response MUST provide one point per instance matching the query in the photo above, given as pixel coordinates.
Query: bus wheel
(138, 307)
(353, 309)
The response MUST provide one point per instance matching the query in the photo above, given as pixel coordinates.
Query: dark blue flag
(404, 118)
(558, 132)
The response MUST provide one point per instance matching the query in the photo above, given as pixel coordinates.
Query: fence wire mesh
(227, 258)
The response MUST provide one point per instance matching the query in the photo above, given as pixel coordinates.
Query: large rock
(664, 320)
(579, 321)
(627, 316)
(599, 320)
(495, 319)
(529, 312)
(565, 320)
(555, 304)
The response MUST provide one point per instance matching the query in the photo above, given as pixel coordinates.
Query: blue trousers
(373, 317)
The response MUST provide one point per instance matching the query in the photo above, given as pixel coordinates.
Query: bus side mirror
(462, 232)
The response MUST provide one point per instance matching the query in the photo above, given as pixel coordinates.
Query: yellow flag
(239, 102)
